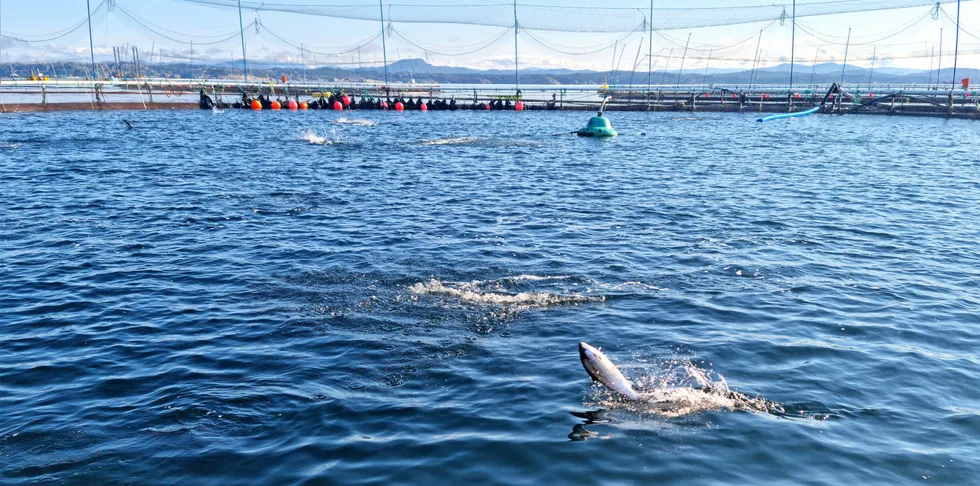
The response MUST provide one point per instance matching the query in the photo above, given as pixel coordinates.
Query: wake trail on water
(355, 122)
(503, 292)
(452, 141)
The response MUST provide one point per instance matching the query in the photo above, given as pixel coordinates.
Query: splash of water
(677, 388)
(311, 137)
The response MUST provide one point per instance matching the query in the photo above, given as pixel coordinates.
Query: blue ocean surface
(237, 298)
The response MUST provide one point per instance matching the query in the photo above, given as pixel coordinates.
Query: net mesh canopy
(611, 16)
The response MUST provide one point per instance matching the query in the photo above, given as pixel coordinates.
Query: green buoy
(598, 126)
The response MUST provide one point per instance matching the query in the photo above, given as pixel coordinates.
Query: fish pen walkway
(904, 100)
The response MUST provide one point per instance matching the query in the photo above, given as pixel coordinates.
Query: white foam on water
(477, 292)
(9, 146)
(355, 122)
(452, 141)
(314, 139)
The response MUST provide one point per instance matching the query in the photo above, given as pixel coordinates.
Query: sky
(37, 31)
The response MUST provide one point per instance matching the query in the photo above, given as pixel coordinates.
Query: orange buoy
(346, 100)
(423, 107)
(337, 106)
(399, 106)
(256, 105)
(304, 106)
(293, 105)
(798, 96)
(284, 79)
(519, 106)
(276, 105)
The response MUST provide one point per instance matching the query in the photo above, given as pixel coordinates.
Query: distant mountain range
(420, 71)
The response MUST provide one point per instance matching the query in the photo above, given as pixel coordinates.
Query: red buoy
(293, 105)
(384, 105)
(337, 106)
(487, 106)
(707, 95)
(256, 105)
(304, 106)
(519, 106)
(399, 106)
(276, 105)
(345, 99)
(871, 95)
(424, 107)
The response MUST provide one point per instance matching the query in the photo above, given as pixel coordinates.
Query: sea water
(380, 298)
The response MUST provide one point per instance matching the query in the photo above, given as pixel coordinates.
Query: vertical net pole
(874, 54)
(91, 43)
(241, 27)
(517, 73)
(683, 58)
(814, 70)
(650, 52)
(939, 67)
(384, 47)
(704, 81)
(847, 46)
(792, 51)
(956, 50)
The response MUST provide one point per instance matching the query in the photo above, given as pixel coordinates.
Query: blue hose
(790, 115)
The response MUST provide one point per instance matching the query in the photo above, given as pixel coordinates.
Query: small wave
(9, 146)
(476, 292)
(355, 122)
(452, 141)
(314, 139)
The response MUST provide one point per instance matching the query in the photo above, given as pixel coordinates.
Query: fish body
(598, 366)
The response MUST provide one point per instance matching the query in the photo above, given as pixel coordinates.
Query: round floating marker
(707, 95)
(798, 96)
(384, 105)
(304, 106)
(293, 105)
(256, 105)
(424, 107)
(276, 105)
(487, 106)
(337, 106)
(871, 95)
(284, 78)
(519, 106)
(399, 106)
(346, 100)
